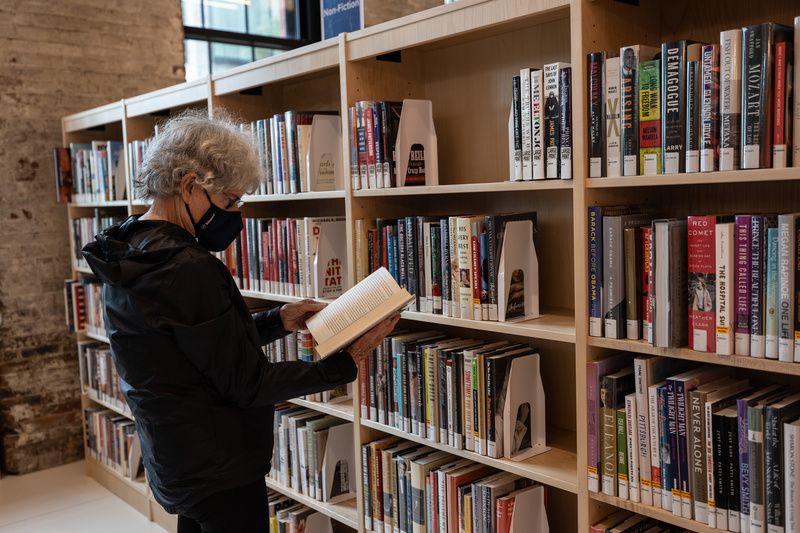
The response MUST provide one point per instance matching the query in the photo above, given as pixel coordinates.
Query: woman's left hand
(294, 316)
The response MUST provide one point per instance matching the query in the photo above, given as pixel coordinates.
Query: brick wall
(57, 57)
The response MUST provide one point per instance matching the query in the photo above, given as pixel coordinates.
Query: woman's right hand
(370, 340)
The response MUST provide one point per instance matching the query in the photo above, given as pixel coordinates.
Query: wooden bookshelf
(653, 512)
(94, 397)
(763, 175)
(468, 188)
(344, 512)
(297, 197)
(343, 409)
(96, 337)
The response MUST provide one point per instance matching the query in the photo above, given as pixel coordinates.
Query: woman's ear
(187, 186)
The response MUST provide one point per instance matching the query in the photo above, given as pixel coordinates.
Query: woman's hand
(370, 340)
(294, 316)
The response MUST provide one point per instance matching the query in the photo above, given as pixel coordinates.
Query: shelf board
(653, 512)
(111, 203)
(556, 467)
(344, 512)
(99, 116)
(96, 336)
(739, 361)
(139, 485)
(558, 326)
(95, 398)
(178, 95)
(698, 178)
(343, 409)
(270, 297)
(467, 188)
(83, 270)
(301, 196)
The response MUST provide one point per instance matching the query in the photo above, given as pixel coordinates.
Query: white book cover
(632, 436)
(416, 146)
(518, 274)
(464, 249)
(552, 90)
(724, 245)
(786, 255)
(455, 308)
(525, 113)
(524, 410)
(537, 124)
(323, 160)
(338, 465)
(642, 428)
(612, 103)
(791, 475)
(655, 439)
(730, 97)
(796, 96)
(328, 246)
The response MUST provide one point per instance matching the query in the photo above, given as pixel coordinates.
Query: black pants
(240, 510)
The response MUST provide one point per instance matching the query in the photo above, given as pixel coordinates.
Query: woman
(187, 350)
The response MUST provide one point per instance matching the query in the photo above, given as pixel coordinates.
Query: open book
(357, 311)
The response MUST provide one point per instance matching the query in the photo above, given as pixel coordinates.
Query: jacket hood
(126, 251)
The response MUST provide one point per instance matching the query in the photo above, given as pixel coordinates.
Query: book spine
(629, 111)
(709, 132)
(674, 449)
(633, 287)
(730, 98)
(732, 476)
(642, 429)
(609, 454)
(361, 139)
(436, 268)
(455, 306)
(634, 492)
(422, 268)
(444, 413)
(369, 128)
(725, 257)
(525, 122)
(291, 150)
(387, 148)
(484, 281)
(771, 315)
(491, 263)
(756, 96)
(755, 439)
(593, 431)
(702, 290)
(468, 422)
(552, 119)
(565, 123)
(697, 454)
(613, 278)
(773, 469)
(684, 460)
(444, 267)
(791, 485)
(377, 136)
(655, 444)
(595, 67)
(622, 455)
(596, 315)
(744, 465)
(650, 117)
(786, 257)
(477, 312)
(647, 311)
(693, 104)
(516, 110)
(757, 279)
(743, 275)
(612, 102)
(666, 450)
(537, 125)
(779, 141)
(491, 398)
(673, 106)
(796, 291)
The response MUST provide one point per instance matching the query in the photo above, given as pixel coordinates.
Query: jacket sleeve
(269, 325)
(217, 335)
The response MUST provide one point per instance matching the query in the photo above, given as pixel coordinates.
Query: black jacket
(189, 356)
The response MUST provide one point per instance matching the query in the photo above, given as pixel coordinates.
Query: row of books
(694, 440)
(622, 521)
(481, 396)
(99, 378)
(541, 133)
(299, 346)
(136, 153)
(724, 284)
(90, 172)
(694, 107)
(288, 516)
(111, 440)
(392, 144)
(304, 257)
(474, 267)
(84, 306)
(284, 145)
(84, 230)
(412, 488)
(314, 454)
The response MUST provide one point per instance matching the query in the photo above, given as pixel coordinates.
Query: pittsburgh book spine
(595, 67)
(709, 112)
(646, 310)
(742, 328)
(596, 271)
(650, 117)
(537, 124)
(702, 286)
(757, 277)
(516, 109)
(772, 290)
(629, 110)
(525, 122)
(779, 138)
(623, 487)
(565, 123)
(552, 118)
(693, 104)
(642, 430)
(633, 282)
(724, 245)
(786, 257)
(611, 98)
(730, 86)
(673, 106)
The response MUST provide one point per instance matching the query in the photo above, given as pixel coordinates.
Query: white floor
(65, 500)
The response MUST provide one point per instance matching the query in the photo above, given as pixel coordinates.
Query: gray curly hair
(223, 157)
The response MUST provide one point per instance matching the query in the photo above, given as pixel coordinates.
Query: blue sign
(339, 16)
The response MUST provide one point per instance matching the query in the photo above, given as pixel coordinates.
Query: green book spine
(650, 117)
(622, 454)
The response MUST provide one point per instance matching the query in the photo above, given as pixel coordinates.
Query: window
(222, 34)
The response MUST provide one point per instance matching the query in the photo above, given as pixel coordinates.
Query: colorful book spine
(664, 447)
(709, 111)
(781, 117)
(758, 237)
(730, 86)
(516, 109)
(650, 117)
(595, 68)
(701, 240)
(611, 97)
(552, 118)
(743, 276)
(771, 314)
(673, 106)
(693, 104)
(647, 310)
(525, 122)
(623, 487)
(565, 123)
(787, 246)
(596, 271)
(725, 247)
(631, 419)
(537, 124)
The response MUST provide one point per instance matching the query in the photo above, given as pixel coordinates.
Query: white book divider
(524, 410)
(328, 237)
(323, 158)
(518, 274)
(339, 465)
(416, 136)
(529, 514)
(318, 523)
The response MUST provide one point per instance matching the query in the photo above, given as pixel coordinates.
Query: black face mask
(217, 228)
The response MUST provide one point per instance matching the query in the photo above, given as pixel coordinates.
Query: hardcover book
(552, 118)
(673, 106)
(742, 294)
(611, 98)
(709, 110)
(726, 288)
(730, 98)
(595, 68)
(629, 93)
(702, 283)
(650, 117)
(565, 123)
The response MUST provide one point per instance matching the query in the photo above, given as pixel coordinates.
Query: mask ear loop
(189, 211)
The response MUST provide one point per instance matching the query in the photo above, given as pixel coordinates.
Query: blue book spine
(744, 461)
(757, 248)
(391, 244)
(772, 290)
(596, 271)
(672, 433)
(683, 450)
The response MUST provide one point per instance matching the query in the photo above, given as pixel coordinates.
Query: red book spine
(779, 119)
(702, 287)
(476, 275)
(369, 125)
(245, 260)
(295, 279)
(647, 285)
(281, 266)
(434, 499)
